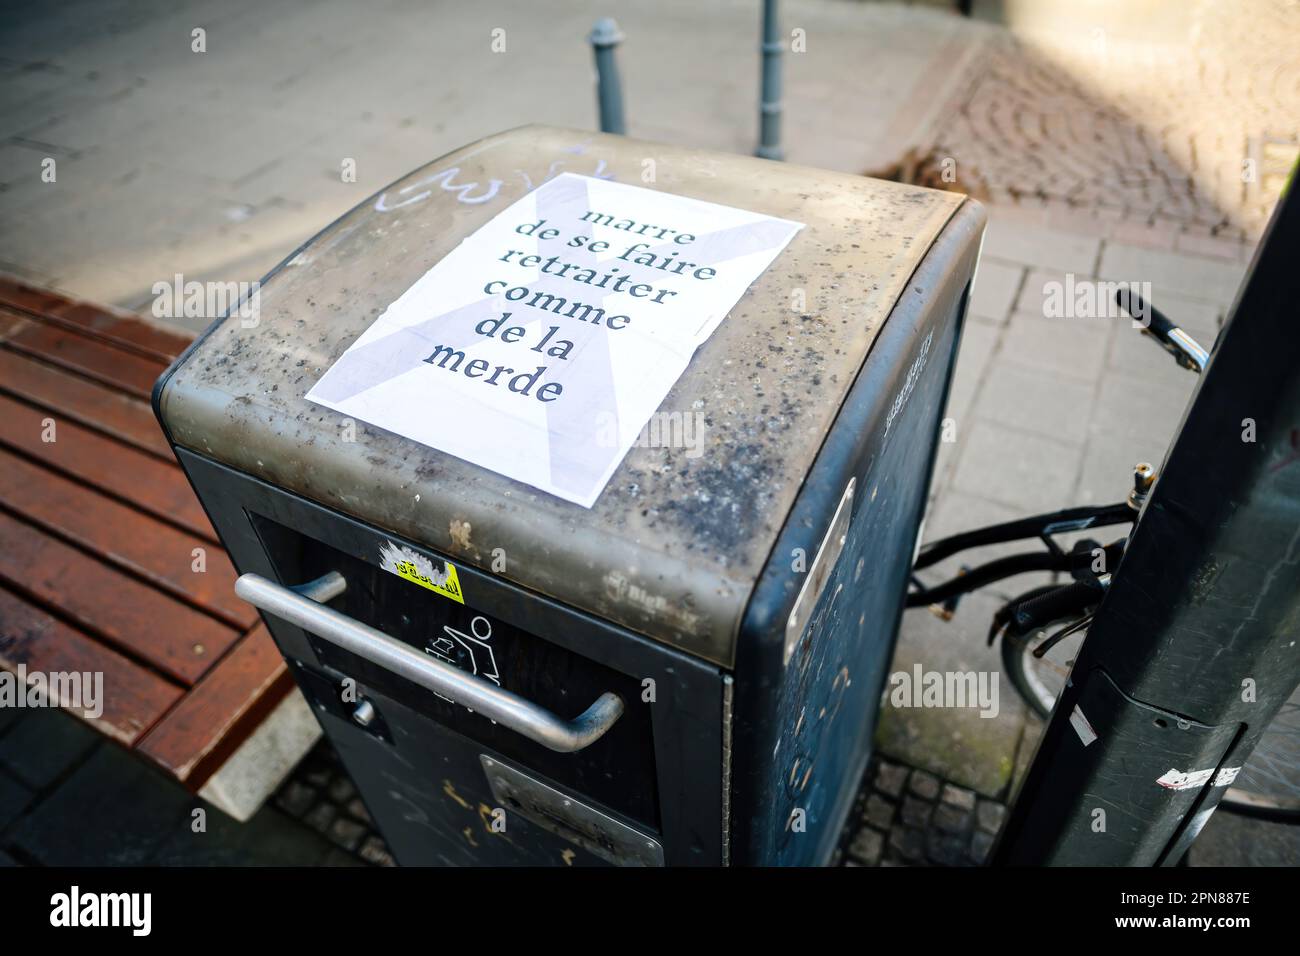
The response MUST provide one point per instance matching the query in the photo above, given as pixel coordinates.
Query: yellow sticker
(420, 570)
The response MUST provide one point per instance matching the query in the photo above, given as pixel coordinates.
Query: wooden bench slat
(129, 371)
(11, 322)
(83, 400)
(155, 551)
(97, 534)
(133, 698)
(202, 730)
(20, 295)
(154, 627)
(120, 327)
(161, 344)
(129, 474)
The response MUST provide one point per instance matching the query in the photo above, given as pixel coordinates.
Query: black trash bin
(687, 672)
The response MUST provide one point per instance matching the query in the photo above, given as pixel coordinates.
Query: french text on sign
(580, 302)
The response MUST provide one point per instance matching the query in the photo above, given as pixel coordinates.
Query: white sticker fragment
(1178, 780)
(416, 568)
(1081, 726)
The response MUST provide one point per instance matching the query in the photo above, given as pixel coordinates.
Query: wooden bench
(108, 563)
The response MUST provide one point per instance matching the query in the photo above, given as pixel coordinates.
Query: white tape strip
(1081, 726)
(1177, 780)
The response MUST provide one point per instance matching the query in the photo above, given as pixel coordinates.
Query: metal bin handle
(299, 606)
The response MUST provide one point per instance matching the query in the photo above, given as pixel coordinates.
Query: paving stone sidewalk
(907, 817)
(217, 164)
(68, 797)
(1172, 123)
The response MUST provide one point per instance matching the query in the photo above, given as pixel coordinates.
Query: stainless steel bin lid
(674, 545)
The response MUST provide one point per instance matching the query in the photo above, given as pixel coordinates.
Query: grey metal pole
(769, 109)
(605, 36)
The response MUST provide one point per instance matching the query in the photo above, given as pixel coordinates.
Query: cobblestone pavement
(908, 817)
(321, 795)
(1191, 132)
(70, 798)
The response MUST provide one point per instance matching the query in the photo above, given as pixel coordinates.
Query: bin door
(445, 782)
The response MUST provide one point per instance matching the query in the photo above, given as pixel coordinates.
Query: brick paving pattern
(320, 795)
(1192, 134)
(908, 817)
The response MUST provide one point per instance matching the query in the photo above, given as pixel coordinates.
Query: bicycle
(1043, 628)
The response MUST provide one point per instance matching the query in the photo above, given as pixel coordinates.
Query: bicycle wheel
(1039, 681)
(1268, 786)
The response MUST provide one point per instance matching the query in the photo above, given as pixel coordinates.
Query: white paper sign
(542, 344)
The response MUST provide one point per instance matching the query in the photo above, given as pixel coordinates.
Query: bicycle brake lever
(1186, 351)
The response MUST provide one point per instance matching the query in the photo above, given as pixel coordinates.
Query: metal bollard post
(605, 36)
(769, 110)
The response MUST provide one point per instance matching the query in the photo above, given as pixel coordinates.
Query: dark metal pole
(605, 36)
(1193, 651)
(769, 108)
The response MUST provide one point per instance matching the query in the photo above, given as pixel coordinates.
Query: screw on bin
(364, 713)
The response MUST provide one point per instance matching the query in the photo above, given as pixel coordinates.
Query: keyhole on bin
(486, 625)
